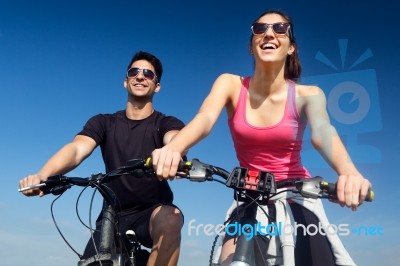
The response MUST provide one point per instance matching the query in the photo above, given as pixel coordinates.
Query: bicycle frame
(107, 250)
(108, 254)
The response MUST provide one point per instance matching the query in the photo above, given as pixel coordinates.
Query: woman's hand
(351, 190)
(166, 162)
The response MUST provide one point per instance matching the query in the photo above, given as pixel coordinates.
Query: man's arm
(63, 161)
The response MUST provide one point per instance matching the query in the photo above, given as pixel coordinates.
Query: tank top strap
(291, 98)
(246, 82)
(241, 104)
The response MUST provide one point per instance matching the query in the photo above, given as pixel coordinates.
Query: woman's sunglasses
(147, 73)
(278, 28)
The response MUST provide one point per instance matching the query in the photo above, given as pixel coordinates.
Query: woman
(267, 115)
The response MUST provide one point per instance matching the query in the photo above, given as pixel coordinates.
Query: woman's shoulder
(309, 95)
(229, 77)
(303, 90)
(230, 80)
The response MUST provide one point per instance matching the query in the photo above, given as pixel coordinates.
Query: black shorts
(136, 220)
(310, 250)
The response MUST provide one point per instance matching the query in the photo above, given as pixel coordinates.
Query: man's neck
(139, 111)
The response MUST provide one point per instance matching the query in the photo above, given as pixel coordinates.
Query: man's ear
(125, 83)
(158, 87)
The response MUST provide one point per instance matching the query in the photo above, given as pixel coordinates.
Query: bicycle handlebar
(57, 184)
(239, 178)
(261, 181)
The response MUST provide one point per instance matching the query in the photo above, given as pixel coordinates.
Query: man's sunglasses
(278, 28)
(147, 73)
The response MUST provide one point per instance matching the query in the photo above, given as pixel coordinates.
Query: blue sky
(63, 61)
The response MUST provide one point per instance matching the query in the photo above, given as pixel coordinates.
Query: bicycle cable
(57, 227)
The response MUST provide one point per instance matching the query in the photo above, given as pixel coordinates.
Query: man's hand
(31, 180)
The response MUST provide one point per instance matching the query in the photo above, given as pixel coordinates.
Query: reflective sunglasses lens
(259, 28)
(280, 28)
(148, 74)
(133, 72)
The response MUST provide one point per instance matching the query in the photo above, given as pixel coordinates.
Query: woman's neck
(268, 79)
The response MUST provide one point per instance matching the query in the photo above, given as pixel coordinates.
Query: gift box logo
(352, 104)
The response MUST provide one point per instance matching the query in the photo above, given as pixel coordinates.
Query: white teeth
(269, 46)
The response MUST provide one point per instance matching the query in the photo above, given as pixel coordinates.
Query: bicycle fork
(244, 254)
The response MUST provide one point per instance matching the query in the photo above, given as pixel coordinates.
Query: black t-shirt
(122, 139)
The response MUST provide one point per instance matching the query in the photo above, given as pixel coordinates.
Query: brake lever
(199, 172)
(310, 187)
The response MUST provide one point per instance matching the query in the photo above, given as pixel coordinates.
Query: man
(146, 202)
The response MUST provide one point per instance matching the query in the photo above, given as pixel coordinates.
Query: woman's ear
(291, 49)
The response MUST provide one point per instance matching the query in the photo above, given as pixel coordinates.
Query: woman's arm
(352, 187)
(166, 159)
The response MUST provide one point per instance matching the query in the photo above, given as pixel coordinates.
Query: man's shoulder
(104, 119)
(164, 118)
(117, 114)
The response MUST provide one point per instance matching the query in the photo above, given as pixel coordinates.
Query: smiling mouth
(139, 85)
(268, 46)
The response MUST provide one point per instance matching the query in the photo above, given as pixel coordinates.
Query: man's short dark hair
(152, 59)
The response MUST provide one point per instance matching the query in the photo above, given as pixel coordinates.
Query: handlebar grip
(330, 189)
(183, 166)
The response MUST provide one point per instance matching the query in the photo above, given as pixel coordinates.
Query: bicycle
(253, 188)
(114, 248)
(257, 188)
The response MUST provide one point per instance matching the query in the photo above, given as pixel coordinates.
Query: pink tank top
(274, 148)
